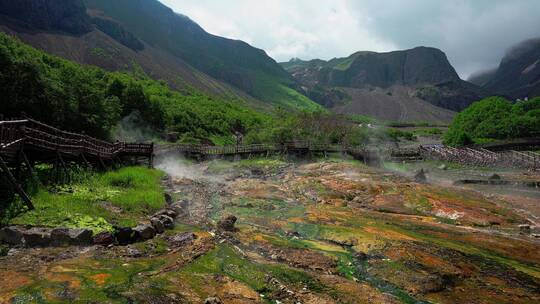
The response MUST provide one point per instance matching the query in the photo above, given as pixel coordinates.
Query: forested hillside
(85, 98)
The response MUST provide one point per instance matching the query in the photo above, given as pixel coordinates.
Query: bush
(495, 118)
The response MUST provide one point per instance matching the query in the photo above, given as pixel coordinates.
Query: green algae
(101, 281)
(226, 261)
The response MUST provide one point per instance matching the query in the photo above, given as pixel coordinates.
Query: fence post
(151, 156)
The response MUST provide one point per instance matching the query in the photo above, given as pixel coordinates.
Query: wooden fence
(482, 157)
(26, 141)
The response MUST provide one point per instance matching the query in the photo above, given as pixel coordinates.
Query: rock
(361, 256)
(145, 232)
(60, 237)
(168, 198)
(168, 212)
(257, 172)
(157, 224)
(428, 284)
(11, 235)
(227, 224)
(12, 252)
(525, 229)
(81, 236)
(179, 206)
(125, 236)
(103, 238)
(65, 236)
(268, 207)
(37, 237)
(167, 221)
(495, 177)
(442, 167)
(420, 176)
(133, 252)
(182, 239)
(293, 234)
(212, 300)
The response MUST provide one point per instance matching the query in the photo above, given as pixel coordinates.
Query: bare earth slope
(97, 48)
(396, 103)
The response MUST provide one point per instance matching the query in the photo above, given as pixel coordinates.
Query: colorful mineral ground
(282, 231)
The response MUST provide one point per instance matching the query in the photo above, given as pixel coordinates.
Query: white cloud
(474, 34)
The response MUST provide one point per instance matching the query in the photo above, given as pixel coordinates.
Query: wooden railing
(37, 135)
(258, 148)
(482, 157)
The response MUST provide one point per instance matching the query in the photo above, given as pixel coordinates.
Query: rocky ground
(272, 231)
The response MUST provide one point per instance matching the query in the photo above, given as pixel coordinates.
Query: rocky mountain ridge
(518, 74)
(423, 74)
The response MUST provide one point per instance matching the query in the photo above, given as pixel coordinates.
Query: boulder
(145, 231)
(125, 236)
(176, 207)
(168, 212)
(11, 235)
(65, 236)
(133, 252)
(157, 224)
(103, 238)
(182, 239)
(212, 300)
(443, 167)
(167, 221)
(227, 223)
(80, 236)
(37, 237)
(495, 177)
(60, 237)
(168, 198)
(420, 176)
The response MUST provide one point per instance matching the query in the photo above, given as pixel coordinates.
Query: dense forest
(89, 99)
(495, 118)
(84, 98)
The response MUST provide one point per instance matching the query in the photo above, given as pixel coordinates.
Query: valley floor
(321, 231)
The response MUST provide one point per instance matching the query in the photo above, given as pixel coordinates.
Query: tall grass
(98, 201)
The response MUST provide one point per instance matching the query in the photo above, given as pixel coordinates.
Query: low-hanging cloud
(475, 34)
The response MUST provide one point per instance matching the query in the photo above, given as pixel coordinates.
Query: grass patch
(99, 201)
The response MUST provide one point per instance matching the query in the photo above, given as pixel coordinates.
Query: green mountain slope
(85, 98)
(232, 61)
(128, 35)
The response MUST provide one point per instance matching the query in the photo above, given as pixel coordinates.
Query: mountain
(415, 77)
(145, 34)
(518, 74)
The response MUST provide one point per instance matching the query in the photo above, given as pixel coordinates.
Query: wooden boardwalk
(25, 142)
(201, 152)
(481, 157)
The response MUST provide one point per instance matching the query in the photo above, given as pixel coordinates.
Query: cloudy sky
(474, 33)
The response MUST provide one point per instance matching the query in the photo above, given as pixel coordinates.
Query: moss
(225, 260)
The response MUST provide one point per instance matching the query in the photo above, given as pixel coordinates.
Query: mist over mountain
(518, 75)
(147, 36)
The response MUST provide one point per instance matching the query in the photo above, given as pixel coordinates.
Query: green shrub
(494, 118)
